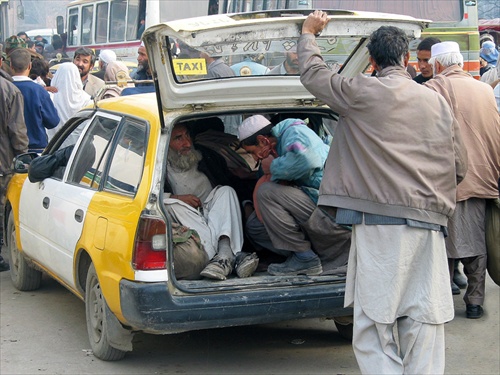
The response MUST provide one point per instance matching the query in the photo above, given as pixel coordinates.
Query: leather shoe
(455, 290)
(474, 311)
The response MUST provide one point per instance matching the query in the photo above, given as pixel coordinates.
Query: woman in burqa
(69, 98)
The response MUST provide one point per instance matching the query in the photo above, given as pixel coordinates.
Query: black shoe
(4, 266)
(474, 311)
(455, 290)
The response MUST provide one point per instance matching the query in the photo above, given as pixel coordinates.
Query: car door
(52, 212)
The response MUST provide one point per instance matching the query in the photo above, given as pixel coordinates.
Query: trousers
(221, 216)
(284, 209)
(403, 347)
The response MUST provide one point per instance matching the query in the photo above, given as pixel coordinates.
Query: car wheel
(97, 328)
(23, 275)
(345, 330)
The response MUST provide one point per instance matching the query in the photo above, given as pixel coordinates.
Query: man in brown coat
(473, 104)
(13, 137)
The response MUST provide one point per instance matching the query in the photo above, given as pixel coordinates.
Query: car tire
(345, 330)
(97, 328)
(23, 275)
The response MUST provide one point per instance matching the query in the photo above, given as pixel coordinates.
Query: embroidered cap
(253, 126)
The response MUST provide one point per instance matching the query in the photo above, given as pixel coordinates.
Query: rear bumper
(151, 308)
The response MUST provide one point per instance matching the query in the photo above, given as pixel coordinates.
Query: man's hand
(315, 23)
(190, 199)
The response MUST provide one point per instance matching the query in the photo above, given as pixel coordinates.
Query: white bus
(116, 24)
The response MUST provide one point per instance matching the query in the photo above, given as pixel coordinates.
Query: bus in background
(452, 20)
(116, 24)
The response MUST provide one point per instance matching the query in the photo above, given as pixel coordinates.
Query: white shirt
(189, 182)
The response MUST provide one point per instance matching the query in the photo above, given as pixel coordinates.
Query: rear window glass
(262, 57)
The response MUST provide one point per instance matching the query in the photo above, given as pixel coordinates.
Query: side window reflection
(127, 162)
(91, 156)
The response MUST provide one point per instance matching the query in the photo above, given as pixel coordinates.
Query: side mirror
(21, 162)
(20, 11)
(60, 24)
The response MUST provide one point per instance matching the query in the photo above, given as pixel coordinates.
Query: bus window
(437, 11)
(132, 19)
(101, 29)
(118, 18)
(87, 16)
(73, 27)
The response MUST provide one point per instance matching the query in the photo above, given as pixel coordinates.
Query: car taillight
(150, 248)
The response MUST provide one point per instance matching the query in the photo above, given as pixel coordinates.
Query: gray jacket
(397, 150)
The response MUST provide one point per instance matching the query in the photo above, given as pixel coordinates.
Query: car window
(91, 156)
(127, 159)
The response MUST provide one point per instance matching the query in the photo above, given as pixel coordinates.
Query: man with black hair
(384, 177)
(39, 110)
(23, 35)
(84, 60)
(423, 56)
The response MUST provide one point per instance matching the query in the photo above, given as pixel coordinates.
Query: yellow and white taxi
(98, 225)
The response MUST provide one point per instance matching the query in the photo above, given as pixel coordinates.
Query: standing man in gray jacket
(384, 177)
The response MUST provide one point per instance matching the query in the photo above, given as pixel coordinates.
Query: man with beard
(84, 60)
(214, 212)
(288, 67)
(473, 104)
(143, 73)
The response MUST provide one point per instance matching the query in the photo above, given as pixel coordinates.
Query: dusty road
(44, 332)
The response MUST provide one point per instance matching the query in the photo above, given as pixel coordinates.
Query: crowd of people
(36, 103)
(412, 164)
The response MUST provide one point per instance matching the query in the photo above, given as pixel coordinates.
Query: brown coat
(13, 134)
(473, 103)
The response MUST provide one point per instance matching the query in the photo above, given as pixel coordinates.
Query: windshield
(262, 57)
